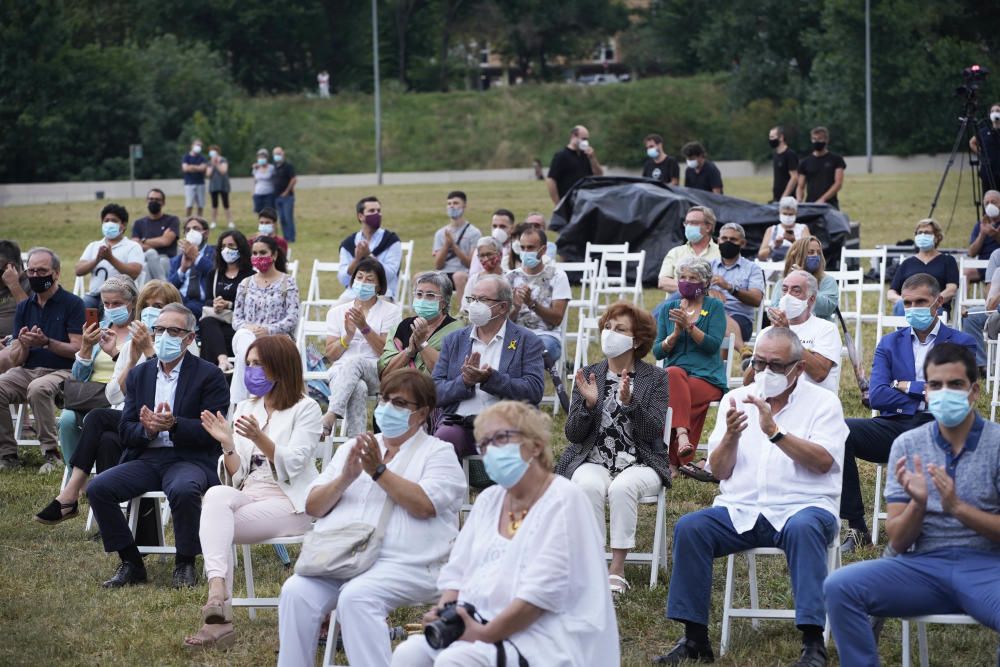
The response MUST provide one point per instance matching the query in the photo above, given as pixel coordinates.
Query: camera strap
(502, 655)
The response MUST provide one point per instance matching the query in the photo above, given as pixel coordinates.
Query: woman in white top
(356, 332)
(529, 559)
(422, 477)
(266, 468)
(779, 238)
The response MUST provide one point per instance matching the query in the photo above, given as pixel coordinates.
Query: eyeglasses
(400, 403)
(499, 438)
(176, 332)
(419, 294)
(41, 273)
(775, 366)
(481, 299)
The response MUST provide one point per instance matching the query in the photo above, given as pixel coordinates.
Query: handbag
(81, 396)
(347, 551)
(208, 312)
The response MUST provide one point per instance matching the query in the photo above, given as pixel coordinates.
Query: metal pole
(378, 97)
(868, 84)
(131, 167)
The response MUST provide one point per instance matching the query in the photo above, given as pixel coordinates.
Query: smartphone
(93, 316)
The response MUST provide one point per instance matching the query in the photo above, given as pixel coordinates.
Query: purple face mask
(689, 289)
(256, 382)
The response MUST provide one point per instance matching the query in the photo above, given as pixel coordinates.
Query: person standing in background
(659, 166)
(577, 160)
(701, 173)
(194, 166)
(157, 234)
(284, 189)
(263, 182)
(323, 80)
(986, 144)
(218, 184)
(821, 174)
(786, 165)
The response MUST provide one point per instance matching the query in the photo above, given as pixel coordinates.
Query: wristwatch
(777, 436)
(379, 469)
(423, 346)
(365, 330)
(733, 289)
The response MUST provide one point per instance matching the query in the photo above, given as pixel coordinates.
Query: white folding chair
(251, 600)
(968, 295)
(586, 328)
(851, 284)
(879, 262)
(403, 286)
(79, 286)
(594, 252)
(162, 514)
(293, 269)
(19, 415)
(584, 305)
(772, 270)
(315, 298)
(922, 621)
(615, 287)
(754, 612)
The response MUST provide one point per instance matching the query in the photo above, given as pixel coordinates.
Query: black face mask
(41, 284)
(154, 207)
(729, 250)
(774, 142)
(819, 145)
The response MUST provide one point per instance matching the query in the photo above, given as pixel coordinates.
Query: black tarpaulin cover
(650, 216)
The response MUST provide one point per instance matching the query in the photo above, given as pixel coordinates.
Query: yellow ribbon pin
(513, 345)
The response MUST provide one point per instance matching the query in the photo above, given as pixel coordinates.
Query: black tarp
(650, 216)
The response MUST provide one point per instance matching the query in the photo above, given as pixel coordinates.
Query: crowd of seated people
(193, 385)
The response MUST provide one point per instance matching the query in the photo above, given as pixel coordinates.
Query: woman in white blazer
(267, 465)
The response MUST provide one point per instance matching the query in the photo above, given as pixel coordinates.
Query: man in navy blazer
(897, 392)
(489, 361)
(166, 447)
(193, 266)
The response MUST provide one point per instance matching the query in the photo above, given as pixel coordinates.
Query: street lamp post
(378, 96)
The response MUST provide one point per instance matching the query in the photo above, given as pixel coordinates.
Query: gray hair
(788, 202)
(504, 291)
(698, 266)
(52, 253)
(812, 287)
(736, 227)
(708, 213)
(787, 335)
(440, 280)
(490, 241)
(190, 321)
(121, 284)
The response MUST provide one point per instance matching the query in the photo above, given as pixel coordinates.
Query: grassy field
(52, 610)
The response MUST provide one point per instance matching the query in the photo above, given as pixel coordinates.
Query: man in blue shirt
(194, 165)
(371, 241)
(49, 329)
(897, 392)
(985, 235)
(944, 519)
(737, 282)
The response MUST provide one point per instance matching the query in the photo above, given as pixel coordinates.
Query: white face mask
(792, 306)
(992, 210)
(480, 314)
(787, 220)
(769, 384)
(584, 144)
(194, 237)
(500, 235)
(614, 344)
(692, 164)
(995, 116)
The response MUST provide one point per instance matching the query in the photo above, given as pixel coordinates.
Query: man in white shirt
(778, 453)
(541, 293)
(113, 255)
(820, 338)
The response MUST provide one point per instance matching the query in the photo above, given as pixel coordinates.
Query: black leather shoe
(185, 576)
(127, 574)
(686, 650)
(813, 655)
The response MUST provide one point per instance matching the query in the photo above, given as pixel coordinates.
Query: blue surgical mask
(949, 406)
(278, 157)
(530, 259)
(265, 229)
(812, 263)
(652, 152)
(111, 229)
(363, 291)
(924, 241)
(920, 319)
(455, 213)
(117, 315)
(504, 464)
(393, 421)
(426, 308)
(262, 161)
(167, 348)
(230, 255)
(692, 233)
(149, 315)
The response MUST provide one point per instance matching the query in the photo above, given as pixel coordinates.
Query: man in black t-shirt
(701, 173)
(786, 165)
(577, 160)
(821, 174)
(157, 233)
(986, 144)
(659, 166)
(284, 190)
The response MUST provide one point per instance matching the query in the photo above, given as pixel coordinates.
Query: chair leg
(658, 537)
(248, 575)
(331, 640)
(878, 504)
(922, 644)
(906, 643)
(754, 600)
(727, 604)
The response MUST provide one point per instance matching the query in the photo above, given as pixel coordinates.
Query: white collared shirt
(920, 350)
(765, 480)
(166, 389)
(489, 354)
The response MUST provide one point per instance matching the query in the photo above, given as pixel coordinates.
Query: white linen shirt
(166, 390)
(408, 540)
(821, 337)
(489, 353)
(920, 350)
(765, 480)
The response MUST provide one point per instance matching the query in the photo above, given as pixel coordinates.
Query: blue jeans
(703, 536)
(70, 425)
(286, 213)
(260, 202)
(973, 324)
(551, 346)
(945, 581)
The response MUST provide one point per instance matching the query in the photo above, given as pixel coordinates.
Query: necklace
(515, 521)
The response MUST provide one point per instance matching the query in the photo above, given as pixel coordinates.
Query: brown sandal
(216, 612)
(203, 640)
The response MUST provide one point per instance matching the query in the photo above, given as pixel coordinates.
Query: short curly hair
(533, 424)
(643, 325)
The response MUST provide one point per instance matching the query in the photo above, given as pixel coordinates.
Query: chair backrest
(293, 269)
(968, 294)
(618, 285)
(403, 286)
(772, 270)
(587, 327)
(319, 268)
(79, 286)
(309, 328)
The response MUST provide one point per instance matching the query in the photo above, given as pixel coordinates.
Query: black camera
(449, 626)
(974, 76)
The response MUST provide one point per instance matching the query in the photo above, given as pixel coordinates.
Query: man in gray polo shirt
(944, 519)
(737, 282)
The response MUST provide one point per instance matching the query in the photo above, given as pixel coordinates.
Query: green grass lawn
(53, 611)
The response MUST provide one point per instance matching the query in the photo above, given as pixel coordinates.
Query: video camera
(974, 76)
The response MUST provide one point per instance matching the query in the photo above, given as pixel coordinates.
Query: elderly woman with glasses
(510, 563)
(807, 254)
(689, 337)
(489, 252)
(416, 342)
(421, 479)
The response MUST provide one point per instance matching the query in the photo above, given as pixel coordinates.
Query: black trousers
(216, 338)
(871, 440)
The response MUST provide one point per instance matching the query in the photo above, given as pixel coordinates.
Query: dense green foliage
(80, 80)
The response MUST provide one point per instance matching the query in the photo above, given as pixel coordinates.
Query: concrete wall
(47, 193)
